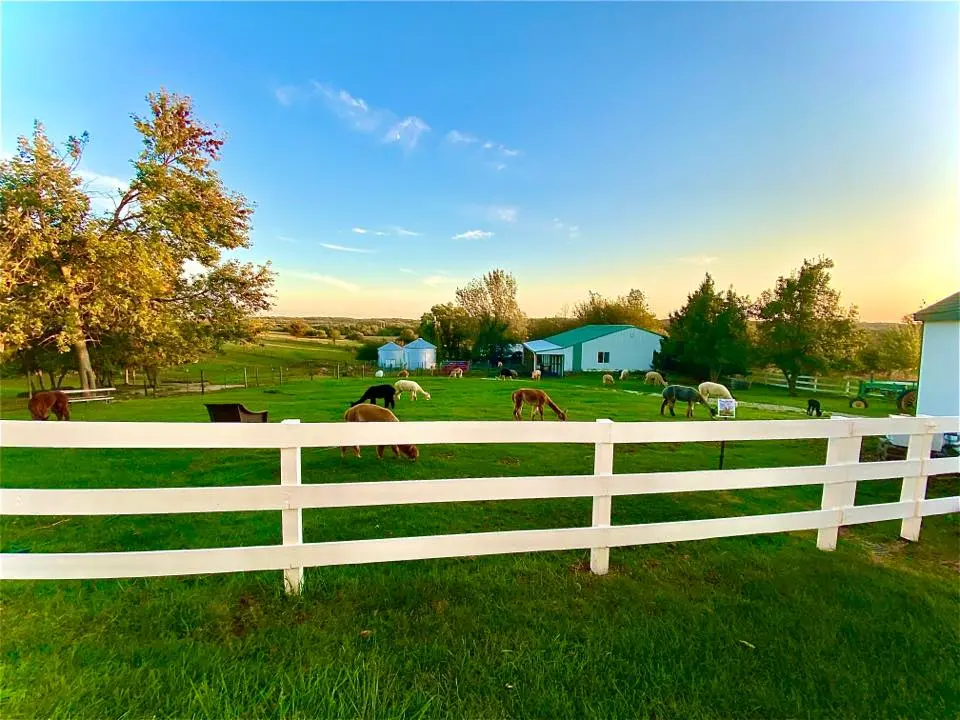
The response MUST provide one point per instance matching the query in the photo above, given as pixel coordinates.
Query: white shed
(390, 356)
(939, 392)
(421, 355)
(596, 347)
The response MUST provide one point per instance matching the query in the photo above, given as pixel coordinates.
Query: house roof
(541, 346)
(421, 344)
(944, 311)
(588, 332)
(389, 346)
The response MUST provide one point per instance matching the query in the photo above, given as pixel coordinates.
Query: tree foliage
(893, 351)
(495, 319)
(709, 334)
(449, 328)
(408, 335)
(629, 309)
(299, 328)
(540, 328)
(802, 328)
(75, 278)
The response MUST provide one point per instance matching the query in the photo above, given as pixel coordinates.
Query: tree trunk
(792, 383)
(714, 374)
(53, 380)
(63, 374)
(39, 374)
(88, 379)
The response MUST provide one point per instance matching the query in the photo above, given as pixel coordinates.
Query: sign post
(726, 410)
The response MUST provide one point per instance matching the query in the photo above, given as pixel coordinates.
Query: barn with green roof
(606, 348)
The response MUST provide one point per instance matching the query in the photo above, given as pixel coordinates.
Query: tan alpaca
(712, 389)
(42, 403)
(536, 398)
(608, 379)
(375, 413)
(535, 375)
(456, 373)
(403, 373)
(624, 374)
(409, 386)
(654, 378)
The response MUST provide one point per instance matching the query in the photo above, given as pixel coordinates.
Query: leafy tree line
(109, 289)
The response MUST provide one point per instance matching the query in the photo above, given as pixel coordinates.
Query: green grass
(744, 627)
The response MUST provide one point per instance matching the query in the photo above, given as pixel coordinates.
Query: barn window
(603, 357)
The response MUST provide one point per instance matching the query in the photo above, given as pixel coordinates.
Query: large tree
(709, 334)
(72, 276)
(491, 304)
(629, 309)
(449, 328)
(802, 328)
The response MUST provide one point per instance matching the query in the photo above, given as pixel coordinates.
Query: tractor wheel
(907, 402)
(859, 403)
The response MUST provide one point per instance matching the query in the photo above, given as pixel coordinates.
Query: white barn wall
(940, 369)
(630, 349)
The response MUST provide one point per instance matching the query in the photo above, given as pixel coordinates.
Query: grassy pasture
(743, 627)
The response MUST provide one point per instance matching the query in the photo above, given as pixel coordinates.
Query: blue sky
(583, 147)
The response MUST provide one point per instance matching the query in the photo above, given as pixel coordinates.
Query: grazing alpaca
(813, 407)
(375, 413)
(712, 389)
(536, 398)
(535, 375)
(378, 392)
(689, 395)
(507, 373)
(654, 378)
(608, 379)
(456, 373)
(42, 403)
(499, 363)
(378, 373)
(403, 373)
(409, 386)
(624, 374)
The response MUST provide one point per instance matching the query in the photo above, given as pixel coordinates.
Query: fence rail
(838, 476)
(808, 383)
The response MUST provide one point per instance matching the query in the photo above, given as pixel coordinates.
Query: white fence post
(838, 496)
(291, 518)
(815, 384)
(915, 488)
(602, 466)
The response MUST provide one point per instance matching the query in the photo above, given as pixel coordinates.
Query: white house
(420, 355)
(390, 356)
(940, 358)
(596, 347)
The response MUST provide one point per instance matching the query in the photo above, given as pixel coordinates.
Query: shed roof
(541, 346)
(944, 311)
(389, 346)
(421, 344)
(589, 332)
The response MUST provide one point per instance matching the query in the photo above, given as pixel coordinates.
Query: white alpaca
(409, 386)
(624, 374)
(712, 389)
(608, 379)
(535, 375)
(456, 373)
(654, 378)
(378, 373)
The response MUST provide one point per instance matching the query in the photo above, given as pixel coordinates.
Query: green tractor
(903, 391)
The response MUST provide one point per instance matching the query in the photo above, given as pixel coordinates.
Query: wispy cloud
(435, 280)
(573, 231)
(323, 279)
(503, 213)
(700, 260)
(403, 232)
(284, 238)
(409, 271)
(103, 190)
(473, 235)
(455, 136)
(286, 94)
(360, 231)
(394, 230)
(353, 110)
(407, 132)
(344, 248)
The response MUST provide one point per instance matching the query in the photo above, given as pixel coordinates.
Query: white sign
(726, 408)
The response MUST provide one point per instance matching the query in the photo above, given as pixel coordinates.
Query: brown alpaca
(375, 413)
(608, 379)
(403, 373)
(536, 398)
(42, 403)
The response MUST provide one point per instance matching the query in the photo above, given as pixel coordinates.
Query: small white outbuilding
(939, 392)
(420, 355)
(390, 356)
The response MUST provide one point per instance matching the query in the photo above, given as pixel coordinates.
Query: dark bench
(233, 412)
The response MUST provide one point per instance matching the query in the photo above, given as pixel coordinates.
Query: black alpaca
(507, 373)
(387, 393)
(813, 406)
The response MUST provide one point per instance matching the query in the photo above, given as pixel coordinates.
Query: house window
(603, 357)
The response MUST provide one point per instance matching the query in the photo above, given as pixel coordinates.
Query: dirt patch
(509, 461)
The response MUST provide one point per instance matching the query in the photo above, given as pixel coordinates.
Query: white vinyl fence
(807, 383)
(838, 476)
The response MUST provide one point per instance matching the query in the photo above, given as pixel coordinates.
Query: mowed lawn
(757, 627)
